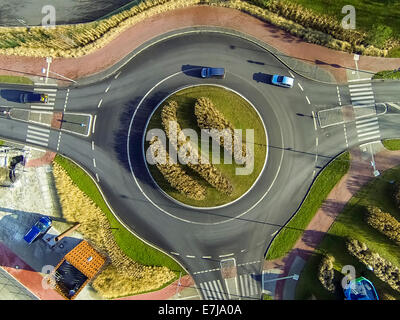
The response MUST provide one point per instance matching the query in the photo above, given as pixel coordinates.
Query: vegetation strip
(133, 247)
(351, 223)
(322, 186)
(81, 39)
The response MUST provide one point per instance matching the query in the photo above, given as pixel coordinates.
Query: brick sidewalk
(334, 61)
(359, 174)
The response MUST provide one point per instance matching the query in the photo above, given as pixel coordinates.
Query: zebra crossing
(212, 290)
(363, 101)
(37, 135)
(51, 90)
(248, 285)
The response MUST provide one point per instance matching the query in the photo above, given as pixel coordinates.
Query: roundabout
(241, 115)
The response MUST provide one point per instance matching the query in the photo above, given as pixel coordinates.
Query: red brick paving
(25, 274)
(332, 60)
(359, 174)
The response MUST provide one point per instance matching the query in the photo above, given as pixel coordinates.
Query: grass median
(391, 144)
(326, 180)
(132, 246)
(351, 224)
(15, 80)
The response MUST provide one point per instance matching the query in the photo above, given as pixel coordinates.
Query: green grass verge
(241, 114)
(368, 13)
(132, 246)
(351, 223)
(326, 180)
(387, 74)
(392, 144)
(15, 80)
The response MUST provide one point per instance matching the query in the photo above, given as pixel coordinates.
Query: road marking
(316, 141)
(368, 124)
(298, 83)
(117, 75)
(345, 135)
(272, 234)
(36, 137)
(45, 89)
(41, 107)
(226, 255)
(175, 253)
(94, 162)
(369, 129)
(45, 84)
(362, 98)
(97, 178)
(94, 123)
(315, 120)
(366, 120)
(38, 133)
(368, 138)
(360, 85)
(368, 133)
(37, 142)
(291, 74)
(108, 88)
(92, 145)
(308, 100)
(362, 79)
(187, 256)
(39, 129)
(206, 257)
(356, 94)
(100, 102)
(59, 139)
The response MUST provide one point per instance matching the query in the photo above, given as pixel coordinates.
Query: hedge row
(326, 273)
(221, 130)
(174, 173)
(384, 222)
(189, 153)
(81, 39)
(382, 268)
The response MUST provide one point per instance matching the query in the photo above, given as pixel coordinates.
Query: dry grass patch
(122, 276)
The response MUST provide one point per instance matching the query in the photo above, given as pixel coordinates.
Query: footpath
(336, 62)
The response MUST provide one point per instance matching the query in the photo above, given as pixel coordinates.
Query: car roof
(287, 80)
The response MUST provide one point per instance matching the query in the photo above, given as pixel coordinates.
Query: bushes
(174, 173)
(326, 273)
(383, 269)
(384, 222)
(189, 153)
(81, 39)
(221, 130)
(77, 207)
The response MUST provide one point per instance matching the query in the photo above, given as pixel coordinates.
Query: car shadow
(262, 77)
(192, 70)
(12, 95)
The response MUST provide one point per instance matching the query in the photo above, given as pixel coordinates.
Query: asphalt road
(200, 238)
(67, 12)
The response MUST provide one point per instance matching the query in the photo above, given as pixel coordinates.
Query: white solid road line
(362, 98)
(368, 133)
(41, 107)
(360, 85)
(45, 89)
(38, 129)
(368, 129)
(357, 94)
(366, 120)
(359, 90)
(36, 142)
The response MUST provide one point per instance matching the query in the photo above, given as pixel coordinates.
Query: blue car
(40, 227)
(282, 81)
(207, 72)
